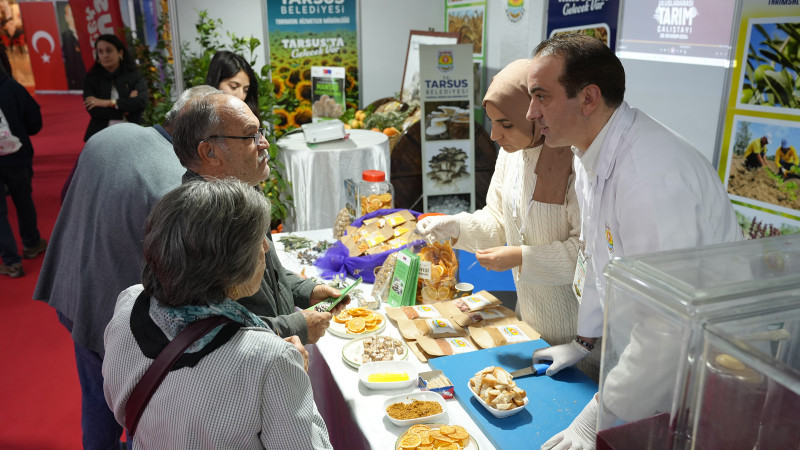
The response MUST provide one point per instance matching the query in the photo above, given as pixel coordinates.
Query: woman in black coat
(113, 90)
(23, 118)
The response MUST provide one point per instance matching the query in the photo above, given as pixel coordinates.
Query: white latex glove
(581, 434)
(438, 228)
(563, 356)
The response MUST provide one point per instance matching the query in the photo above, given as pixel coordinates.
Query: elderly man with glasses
(217, 136)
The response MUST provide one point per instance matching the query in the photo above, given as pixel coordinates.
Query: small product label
(425, 270)
(475, 302)
(513, 334)
(440, 326)
(459, 345)
(425, 311)
(486, 314)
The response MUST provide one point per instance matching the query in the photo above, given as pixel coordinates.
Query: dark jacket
(24, 119)
(98, 84)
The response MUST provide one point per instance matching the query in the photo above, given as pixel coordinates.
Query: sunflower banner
(302, 36)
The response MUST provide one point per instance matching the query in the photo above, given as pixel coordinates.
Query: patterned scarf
(172, 321)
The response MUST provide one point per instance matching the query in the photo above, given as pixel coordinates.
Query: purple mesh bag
(337, 259)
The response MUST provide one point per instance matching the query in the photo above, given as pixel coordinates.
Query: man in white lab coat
(641, 187)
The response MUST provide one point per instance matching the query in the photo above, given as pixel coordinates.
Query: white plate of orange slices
(357, 322)
(437, 436)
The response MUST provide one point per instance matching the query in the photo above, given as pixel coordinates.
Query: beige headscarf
(508, 92)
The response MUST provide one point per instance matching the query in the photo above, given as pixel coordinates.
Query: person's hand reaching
(581, 433)
(323, 292)
(500, 259)
(438, 228)
(563, 356)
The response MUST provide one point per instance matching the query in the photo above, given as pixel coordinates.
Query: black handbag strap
(157, 371)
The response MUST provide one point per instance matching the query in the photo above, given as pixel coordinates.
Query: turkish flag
(93, 18)
(44, 45)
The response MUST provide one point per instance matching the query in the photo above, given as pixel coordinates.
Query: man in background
(786, 159)
(755, 155)
(96, 246)
(218, 136)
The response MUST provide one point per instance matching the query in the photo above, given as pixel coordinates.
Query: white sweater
(548, 235)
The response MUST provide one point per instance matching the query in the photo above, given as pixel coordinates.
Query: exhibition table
(317, 173)
(355, 416)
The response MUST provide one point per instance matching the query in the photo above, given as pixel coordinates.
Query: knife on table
(536, 369)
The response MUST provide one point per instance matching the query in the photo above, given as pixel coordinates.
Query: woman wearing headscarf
(531, 222)
(239, 386)
(113, 91)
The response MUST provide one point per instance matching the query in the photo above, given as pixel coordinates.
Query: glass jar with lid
(374, 192)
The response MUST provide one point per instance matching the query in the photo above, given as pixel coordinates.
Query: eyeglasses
(255, 137)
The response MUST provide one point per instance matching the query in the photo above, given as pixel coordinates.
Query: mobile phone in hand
(330, 303)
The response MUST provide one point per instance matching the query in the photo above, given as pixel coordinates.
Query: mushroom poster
(448, 128)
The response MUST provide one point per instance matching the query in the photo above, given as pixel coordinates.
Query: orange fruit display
(425, 437)
(444, 269)
(375, 202)
(359, 320)
(356, 325)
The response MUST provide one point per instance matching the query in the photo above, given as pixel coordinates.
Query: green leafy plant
(772, 72)
(156, 66)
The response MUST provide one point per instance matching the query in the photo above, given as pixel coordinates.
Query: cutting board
(552, 401)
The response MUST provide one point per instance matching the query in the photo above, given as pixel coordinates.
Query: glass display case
(654, 349)
(748, 393)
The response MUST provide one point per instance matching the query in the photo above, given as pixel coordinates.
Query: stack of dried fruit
(450, 437)
(444, 269)
(375, 202)
(359, 320)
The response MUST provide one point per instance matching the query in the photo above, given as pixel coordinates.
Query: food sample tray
(553, 401)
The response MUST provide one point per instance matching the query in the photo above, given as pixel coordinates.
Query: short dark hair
(127, 63)
(227, 64)
(586, 61)
(201, 239)
(198, 119)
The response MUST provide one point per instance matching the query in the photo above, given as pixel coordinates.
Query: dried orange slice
(443, 293)
(425, 435)
(385, 198)
(342, 317)
(358, 312)
(429, 293)
(437, 435)
(418, 428)
(436, 272)
(370, 318)
(356, 325)
(410, 440)
(447, 429)
(461, 433)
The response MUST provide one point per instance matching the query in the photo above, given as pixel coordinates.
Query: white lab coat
(652, 191)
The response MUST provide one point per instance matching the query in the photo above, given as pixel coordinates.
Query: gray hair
(198, 119)
(201, 239)
(185, 96)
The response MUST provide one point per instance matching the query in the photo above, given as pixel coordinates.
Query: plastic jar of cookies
(374, 192)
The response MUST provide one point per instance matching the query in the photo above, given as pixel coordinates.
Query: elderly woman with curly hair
(240, 386)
